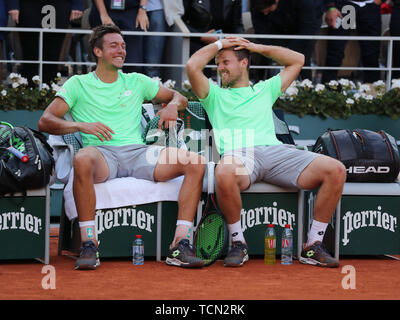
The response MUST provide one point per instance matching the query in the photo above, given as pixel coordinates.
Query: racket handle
(23, 157)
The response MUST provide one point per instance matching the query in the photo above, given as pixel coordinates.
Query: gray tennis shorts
(280, 165)
(135, 160)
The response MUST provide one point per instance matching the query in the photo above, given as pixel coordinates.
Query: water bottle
(287, 246)
(138, 250)
(270, 245)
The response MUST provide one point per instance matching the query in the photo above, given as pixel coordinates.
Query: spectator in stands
(129, 15)
(106, 105)
(211, 16)
(395, 32)
(154, 45)
(30, 15)
(368, 23)
(6, 6)
(287, 17)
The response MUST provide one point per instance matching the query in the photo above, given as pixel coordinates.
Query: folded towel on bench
(122, 192)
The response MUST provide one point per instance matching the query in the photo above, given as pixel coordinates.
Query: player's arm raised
(292, 60)
(196, 64)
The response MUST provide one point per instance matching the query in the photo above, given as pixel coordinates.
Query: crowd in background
(277, 17)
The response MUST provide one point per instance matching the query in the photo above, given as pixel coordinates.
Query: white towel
(122, 192)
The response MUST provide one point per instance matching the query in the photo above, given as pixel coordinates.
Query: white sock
(236, 232)
(184, 230)
(88, 231)
(316, 232)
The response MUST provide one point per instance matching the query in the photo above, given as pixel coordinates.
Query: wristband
(219, 44)
(331, 8)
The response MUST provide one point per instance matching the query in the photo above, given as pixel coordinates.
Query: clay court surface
(377, 278)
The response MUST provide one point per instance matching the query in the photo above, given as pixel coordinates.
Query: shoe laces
(237, 246)
(88, 248)
(187, 247)
(319, 247)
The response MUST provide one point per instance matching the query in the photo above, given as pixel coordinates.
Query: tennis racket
(211, 236)
(7, 140)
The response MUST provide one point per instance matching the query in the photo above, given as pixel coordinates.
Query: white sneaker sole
(178, 263)
(316, 263)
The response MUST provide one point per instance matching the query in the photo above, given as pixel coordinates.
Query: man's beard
(229, 83)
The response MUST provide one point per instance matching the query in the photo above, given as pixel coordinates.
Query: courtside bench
(366, 220)
(25, 225)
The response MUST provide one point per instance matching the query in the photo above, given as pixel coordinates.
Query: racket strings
(5, 135)
(7, 139)
(211, 237)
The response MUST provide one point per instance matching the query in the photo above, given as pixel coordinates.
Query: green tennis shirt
(242, 117)
(117, 105)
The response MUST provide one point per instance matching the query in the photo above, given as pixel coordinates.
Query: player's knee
(337, 173)
(83, 162)
(193, 163)
(225, 175)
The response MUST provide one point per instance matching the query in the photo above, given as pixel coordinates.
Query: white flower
(58, 75)
(170, 84)
(319, 87)
(292, 91)
(36, 79)
(344, 93)
(395, 83)
(23, 81)
(369, 97)
(15, 85)
(186, 85)
(157, 79)
(14, 76)
(3, 93)
(379, 83)
(306, 84)
(344, 82)
(364, 88)
(45, 86)
(357, 96)
(333, 84)
(349, 101)
(55, 87)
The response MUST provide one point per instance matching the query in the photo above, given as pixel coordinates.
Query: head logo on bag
(367, 155)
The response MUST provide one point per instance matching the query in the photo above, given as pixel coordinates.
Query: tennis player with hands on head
(106, 105)
(244, 134)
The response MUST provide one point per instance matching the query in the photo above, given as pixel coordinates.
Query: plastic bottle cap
(138, 236)
(287, 226)
(270, 226)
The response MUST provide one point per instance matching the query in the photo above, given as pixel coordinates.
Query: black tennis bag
(368, 156)
(17, 175)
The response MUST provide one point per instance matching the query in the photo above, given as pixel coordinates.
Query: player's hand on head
(98, 129)
(241, 43)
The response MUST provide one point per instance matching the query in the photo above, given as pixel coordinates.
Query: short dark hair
(259, 5)
(96, 38)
